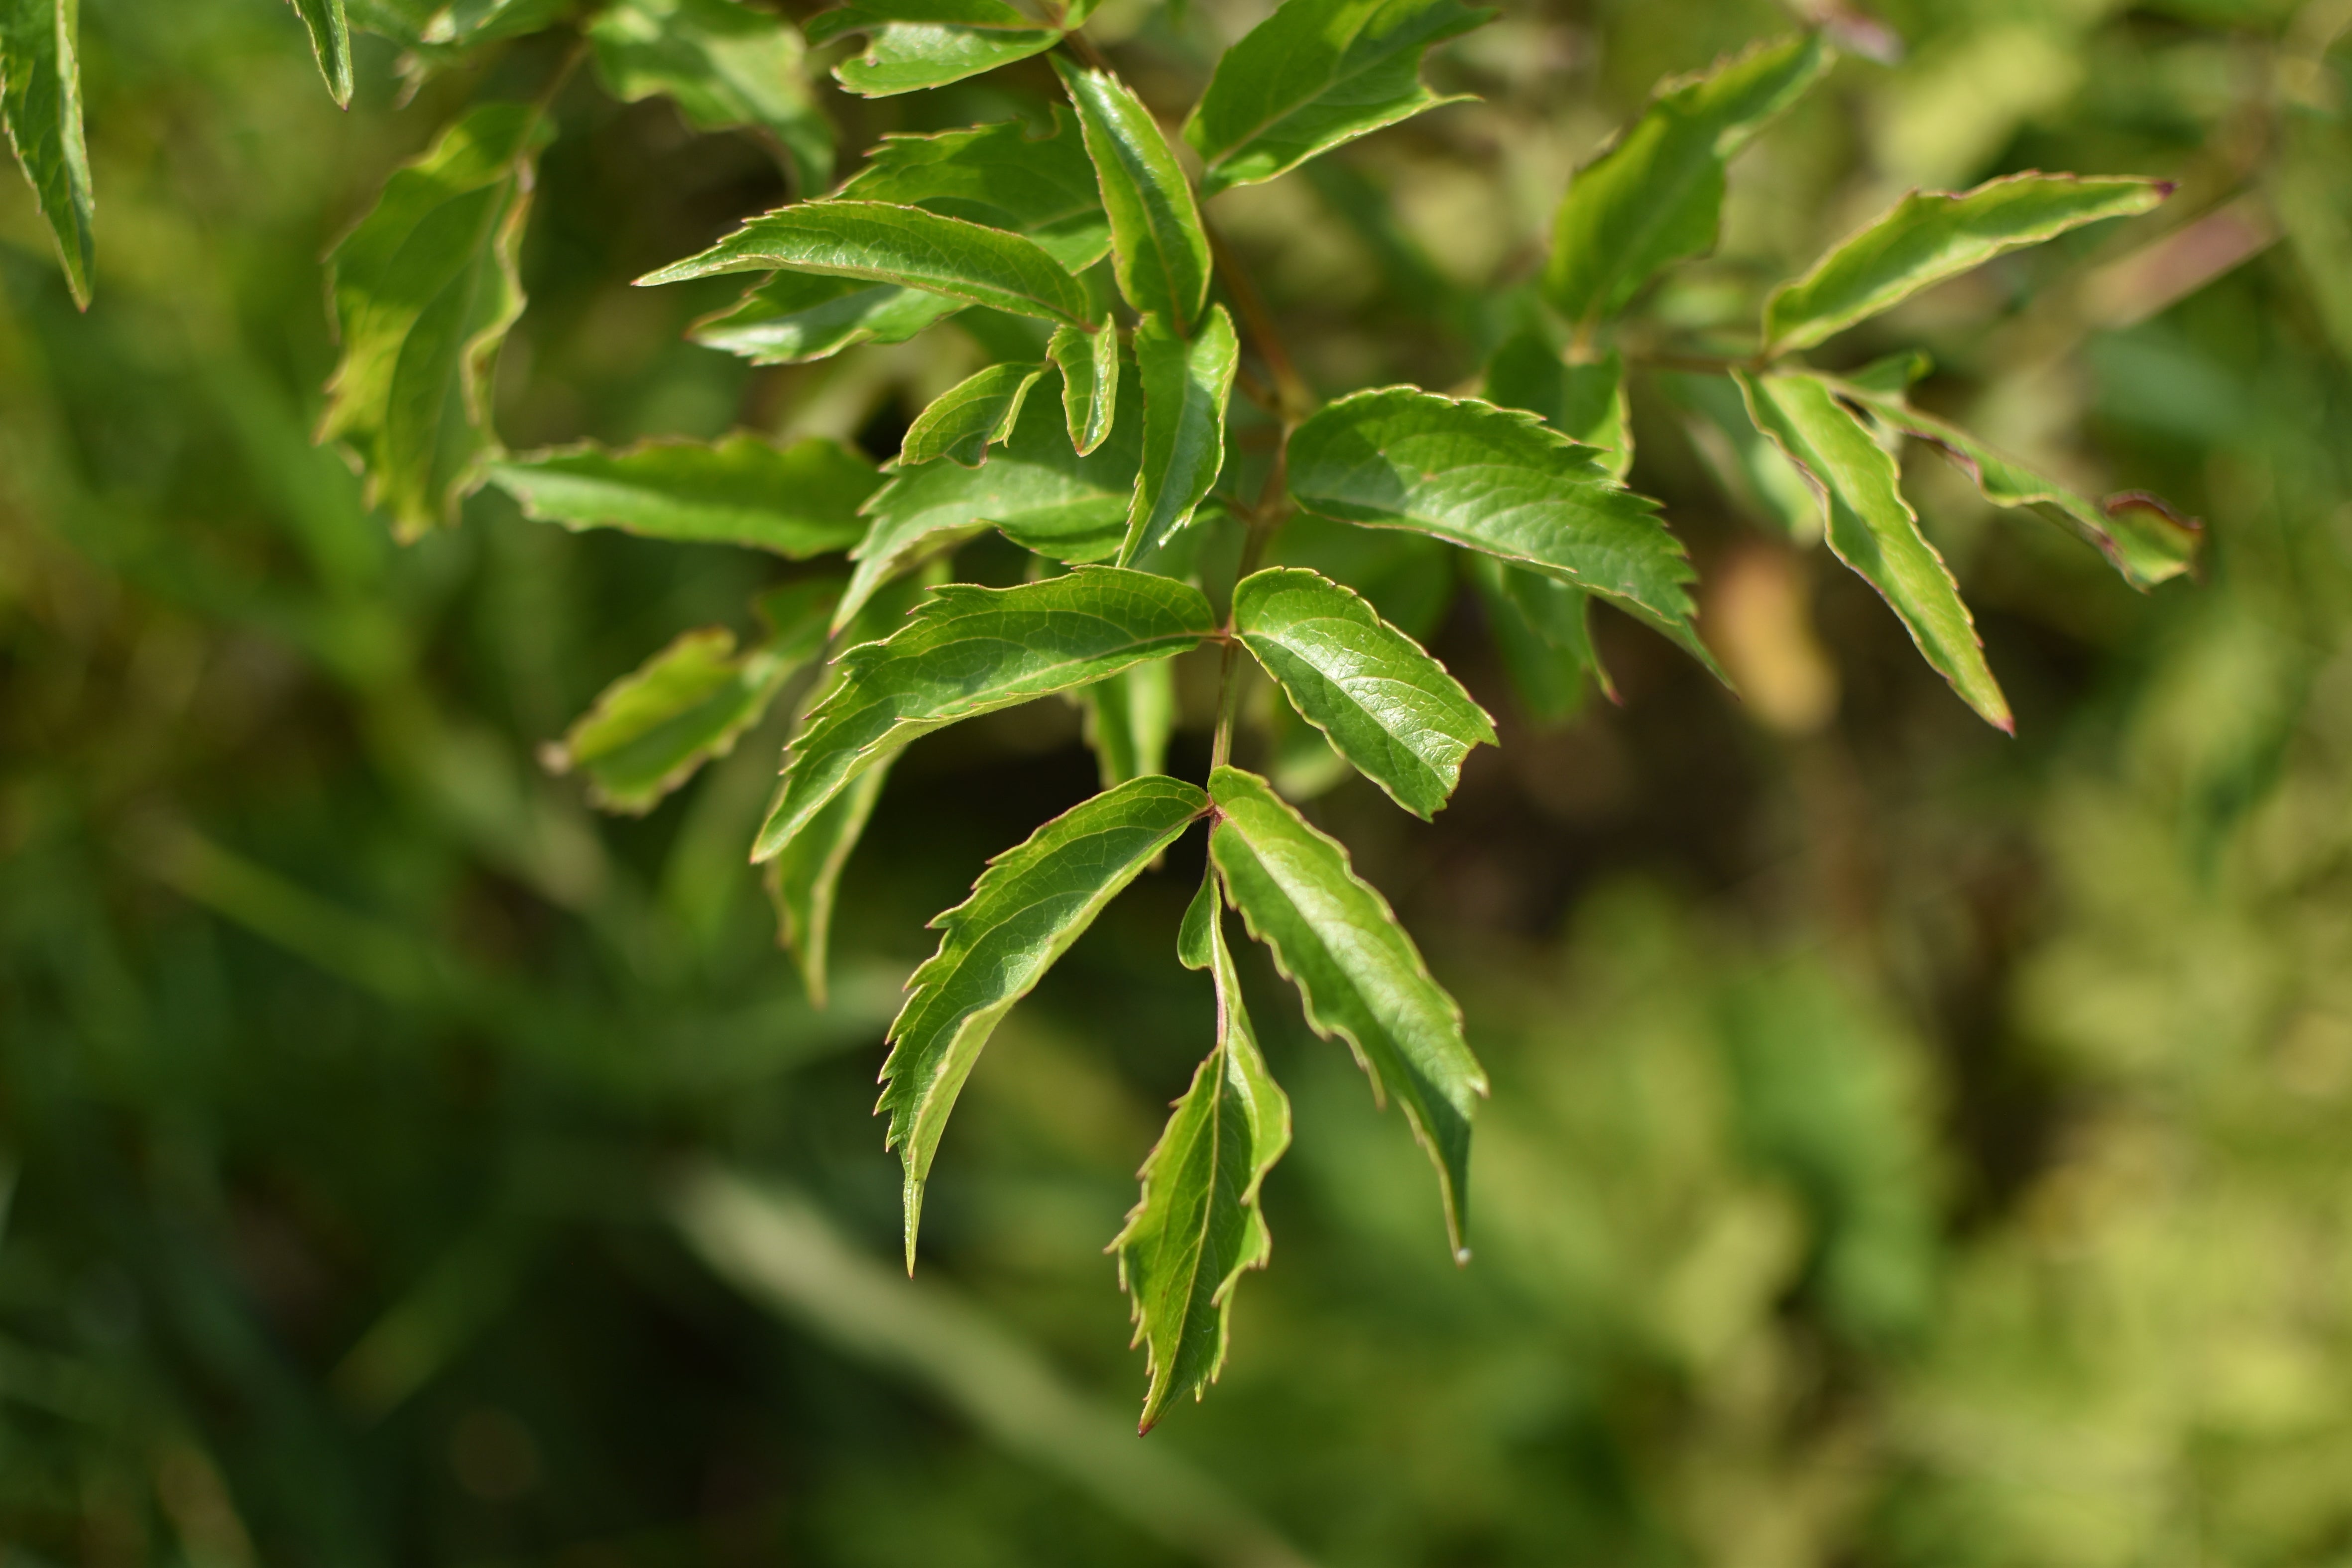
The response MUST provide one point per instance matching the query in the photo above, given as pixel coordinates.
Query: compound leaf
(1655, 196)
(1315, 74)
(1497, 480)
(964, 421)
(1026, 909)
(40, 105)
(330, 45)
(796, 501)
(1931, 236)
(424, 289)
(1873, 529)
(970, 650)
(1090, 365)
(2146, 540)
(1128, 718)
(1186, 386)
(913, 247)
(917, 44)
(725, 65)
(1359, 973)
(1197, 1225)
(1159, 250)
(1388, 707)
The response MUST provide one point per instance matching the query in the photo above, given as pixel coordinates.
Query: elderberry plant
(1106, 439)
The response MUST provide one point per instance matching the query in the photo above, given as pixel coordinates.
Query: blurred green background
(1909, 1145)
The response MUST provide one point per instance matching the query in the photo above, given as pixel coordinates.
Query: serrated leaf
(1541, 628)
(1873, 529)
(2145, 539)
(1159, 250)
(1035, 487)
(1585, 401)
(651, 729)
(1000, 176)
(331, 44)
(424, 289)
(1128, 718)
(1931, 236)
(1026, 909)
(970, 650)
(1389, 707)
(40, 106)
(1656, 195)
(1314, 75)
(910, 246)
(795, 501)
(1359, 973)
(1090, 365)
(964, 421)
(917, 44)
(724, 64)
(796, 317)
(1197, 1225)
(1497, 480)
(1187, 385)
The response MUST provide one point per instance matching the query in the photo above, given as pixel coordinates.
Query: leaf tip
(1462, 1256)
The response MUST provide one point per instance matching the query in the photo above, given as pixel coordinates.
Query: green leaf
(1186, 386)
(725, 65)
(1929, 237)
(1159, 250)
(1541, 628)
(424, 289)
(1384, 703)
(1585, 402)
(796, 501)
(1035, 487)
(40, 105)
(1358, 972)
(1753, 471)
(1000, 176)
(971, 650)
(1873, 529)
(915, 249)
(964, 421)
(1655, 196)
(651, 729)
(331, 44)
(1090, 365)
(1026, 909)
(917, 44)
(1497, 480)
(1314, 75)
(2146, 540)
(796, 317)
(1197, 1225)
(1128, 718)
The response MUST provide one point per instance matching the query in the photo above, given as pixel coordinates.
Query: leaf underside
(795, 501)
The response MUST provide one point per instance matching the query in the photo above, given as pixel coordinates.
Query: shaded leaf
(424, 289)
(1197, 1225)
(1655, 196)
(970, 650)
(917, 44)
(1359, 973)
(1497, 480)
(910, 247)
(796, 501)
(1186, 387)
(962, 422)
(1929, 237)
(1388, 707)
(1752, 468)
(796, 317)
(1026, 909)
(1585, 402)
(40, 105)
(1000, 176)
(331, 44)
(1314, 75)
(1541, 627)
(1090, 365)
(1159, 250)
(1128, 718)
(1873, 529)
(724, 64)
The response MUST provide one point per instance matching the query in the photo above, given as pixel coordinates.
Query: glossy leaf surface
(1026, 909)
(1932, 236)
(724, 64)
(1000, 176)
(964, 421)
(1314, 75)
(1388, 707)
(1159, 249)
(796, 501)
(40, 106)
(970, 650)
(1359, 973)
(1090, 365)
(1187, 385)
(1873, 529)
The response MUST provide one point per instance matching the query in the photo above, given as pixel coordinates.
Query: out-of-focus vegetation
(1907, 1145)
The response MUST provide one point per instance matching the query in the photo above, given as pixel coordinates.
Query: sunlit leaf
(1186, 386)
(724, 64)
(1090, 365)
(999, 175)
(1159, 249)
(40, 105)
(964, 421)
(1584, 401)
(917, 44)
(1026, 909)
(797, 501)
